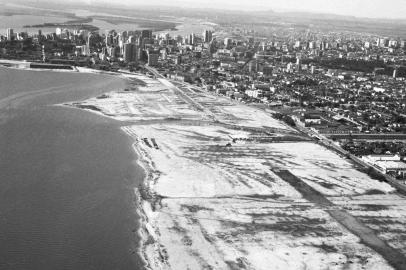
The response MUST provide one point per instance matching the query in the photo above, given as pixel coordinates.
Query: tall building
(163, 53)
(130, 52)
(140, 54)
(124, 35)
(192, 40)
(207, 36)
(84, 33)
(139, 42)
(85, 50)
(90, 40)
(112, 51)
(212, 47)
(21, 36)
(131, 39)
(393, 43)
(178, 60)
(262, 46)
(383, 42)
(10, 34)
(227, 42)
(109, 40)
(148, 41)
(152, 59)
(146, 33)
(43, 53)
(58, 31)
(299, 63)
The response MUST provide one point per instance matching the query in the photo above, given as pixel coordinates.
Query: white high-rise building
(58, 31)
(10, 34)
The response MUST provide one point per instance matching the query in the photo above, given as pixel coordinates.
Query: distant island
(153, 24)
(81, 23)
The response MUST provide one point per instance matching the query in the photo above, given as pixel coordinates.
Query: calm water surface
(17, 22)
(66, 176)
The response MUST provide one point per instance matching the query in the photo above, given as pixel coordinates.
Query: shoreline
(197, 205)
(143, 195)
(146, 202)
(159, 199)
(25, 65)
(92, 207)
(142, 203)
(144, 199)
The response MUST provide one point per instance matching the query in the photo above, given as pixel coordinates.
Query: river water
(66, 176)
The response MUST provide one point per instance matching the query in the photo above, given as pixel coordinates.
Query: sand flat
(217, 203)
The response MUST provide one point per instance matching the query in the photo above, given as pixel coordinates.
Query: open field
(216, 195)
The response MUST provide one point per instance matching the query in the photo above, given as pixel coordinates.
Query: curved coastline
(213, 194)
(146, 200)
(204, 209)
(44, 95)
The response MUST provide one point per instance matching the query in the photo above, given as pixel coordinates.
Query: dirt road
(351, 223)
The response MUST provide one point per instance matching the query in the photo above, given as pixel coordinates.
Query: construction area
(229, 187)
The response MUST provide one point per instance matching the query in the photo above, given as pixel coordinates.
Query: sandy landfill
(229, 187)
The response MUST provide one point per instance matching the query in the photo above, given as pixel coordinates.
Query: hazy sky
(360, 8)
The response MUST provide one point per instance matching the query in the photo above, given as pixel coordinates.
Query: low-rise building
(388, 164)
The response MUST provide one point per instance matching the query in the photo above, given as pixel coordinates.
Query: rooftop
(391, 164)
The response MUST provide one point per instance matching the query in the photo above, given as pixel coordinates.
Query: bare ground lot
(351, 223)
(218, 203)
